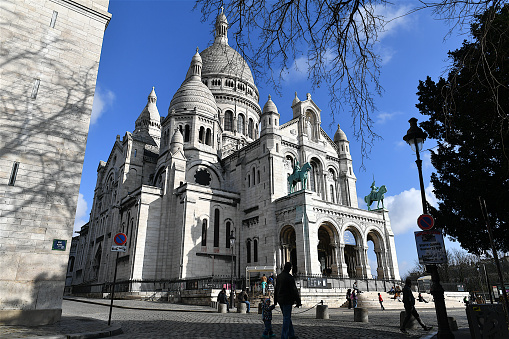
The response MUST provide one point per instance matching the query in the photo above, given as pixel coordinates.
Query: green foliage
(468, 116)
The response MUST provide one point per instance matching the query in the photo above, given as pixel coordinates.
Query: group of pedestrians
(286, 295)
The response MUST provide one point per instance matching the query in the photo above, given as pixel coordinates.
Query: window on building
(204, 232)
(53, 19)
(254, 178)
(248, 251)
(250, 130)
(228, 231)
(14, 173)
(255, 250)
(216, 228)
(201, 135)
(241, 124)
(332, 194)
(228, 121)
(208, 137)
(187, 131)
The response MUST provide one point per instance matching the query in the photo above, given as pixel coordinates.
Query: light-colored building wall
(50, 56)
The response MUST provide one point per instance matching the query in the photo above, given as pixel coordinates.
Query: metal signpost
(120, 239)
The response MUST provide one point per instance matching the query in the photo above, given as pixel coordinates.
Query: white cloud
(394, 18)
(405, 208)
(81, 213)
(103, 99)
(383, 117)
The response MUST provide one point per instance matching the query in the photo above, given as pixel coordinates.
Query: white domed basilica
(216, 169)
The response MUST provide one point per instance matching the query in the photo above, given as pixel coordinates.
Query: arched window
(228, 121)
(71, 264)
(248, 180)
(241, 128)
(208, 137)
(254, 178)
(332, 194)
(314, 177)
(248, 251)
(258, 176)
(204, 232)
(216, 228)
(201, 135)
(250, 129)
(255, 250)
(186, 133)
(228, 231)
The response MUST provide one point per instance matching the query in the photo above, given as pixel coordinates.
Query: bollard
(221, 308)
(360, 315)
(322, 312)
(241, 308)
(412, 323)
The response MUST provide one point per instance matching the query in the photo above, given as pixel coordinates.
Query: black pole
(232, 295)
(444, 331)
(113, 289)
(486, 217)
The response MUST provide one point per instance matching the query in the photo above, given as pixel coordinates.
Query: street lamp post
(415, 138)
(232, 294)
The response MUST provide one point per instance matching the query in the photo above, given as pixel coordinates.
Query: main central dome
(220, 58)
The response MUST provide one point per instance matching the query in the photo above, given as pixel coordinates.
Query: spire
(148, 124)
(194, 71)
(221, 28)
(295, 100)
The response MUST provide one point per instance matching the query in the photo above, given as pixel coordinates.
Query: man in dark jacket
(409, 303)
(286, 295)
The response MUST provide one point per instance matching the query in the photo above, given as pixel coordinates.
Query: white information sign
(116, 248)
(430, 247)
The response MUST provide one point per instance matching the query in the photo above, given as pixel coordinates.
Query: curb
(112, 331)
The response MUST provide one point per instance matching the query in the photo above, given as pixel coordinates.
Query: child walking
(267, 318)
(381, 302)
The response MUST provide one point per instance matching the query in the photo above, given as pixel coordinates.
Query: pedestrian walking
(264, 284)
(223, 299)
(267, 318)
(381, 301)
(348, 297)
(286, 295)
(409, 303)
(354, 299)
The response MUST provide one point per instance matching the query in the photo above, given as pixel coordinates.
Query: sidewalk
(84, 318)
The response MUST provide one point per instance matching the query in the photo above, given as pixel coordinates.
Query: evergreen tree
(468, 116)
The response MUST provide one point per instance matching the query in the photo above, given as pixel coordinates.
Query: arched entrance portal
(289, 247)
(351, 258)
(326, 250)
(377, 245)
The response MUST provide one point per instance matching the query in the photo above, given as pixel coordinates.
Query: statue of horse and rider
(299, 175)
(377, 194)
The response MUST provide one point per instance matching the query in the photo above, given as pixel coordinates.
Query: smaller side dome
(269, 107)
(340, 135)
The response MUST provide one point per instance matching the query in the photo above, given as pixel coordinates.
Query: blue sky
(151, 43)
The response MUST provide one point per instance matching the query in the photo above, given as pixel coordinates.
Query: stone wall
(50, 57)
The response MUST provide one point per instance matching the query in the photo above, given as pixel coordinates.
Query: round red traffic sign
(120, 239)
(425, 222)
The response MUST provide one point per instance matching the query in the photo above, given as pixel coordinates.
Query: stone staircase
(370, 300)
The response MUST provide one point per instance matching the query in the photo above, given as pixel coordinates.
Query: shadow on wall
(45, 107)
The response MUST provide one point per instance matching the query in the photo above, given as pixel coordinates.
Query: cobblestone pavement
(161, 320)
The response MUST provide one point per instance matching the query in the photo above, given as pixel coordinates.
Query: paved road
(180, 321)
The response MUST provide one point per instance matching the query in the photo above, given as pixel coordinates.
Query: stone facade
(179, 186)
(49, 62)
